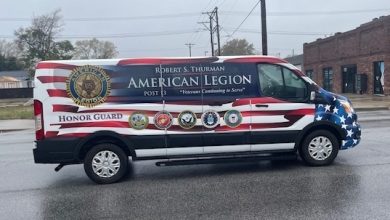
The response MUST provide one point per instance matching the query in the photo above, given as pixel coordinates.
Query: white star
(344, 126)
(320, 105)
(342, 119)
(343, 142)
(354, 141)
(354, 124)
(318, 118)
(349, 133)
(327, 108)
(335, 110)
(334, 98)
(349, 115)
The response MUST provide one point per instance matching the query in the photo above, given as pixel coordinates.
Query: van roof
(160, 60)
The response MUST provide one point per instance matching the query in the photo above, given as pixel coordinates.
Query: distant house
(8, 82)
(18, 74)
(14, 79)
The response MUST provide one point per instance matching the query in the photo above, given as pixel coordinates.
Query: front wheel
(319, 148)
(106, 163)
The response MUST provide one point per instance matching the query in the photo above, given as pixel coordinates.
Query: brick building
(343, 62)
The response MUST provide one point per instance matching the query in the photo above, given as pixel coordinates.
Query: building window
(328, 78)
(379, 77)
(309, 73)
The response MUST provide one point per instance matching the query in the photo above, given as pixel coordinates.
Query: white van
(187, 110)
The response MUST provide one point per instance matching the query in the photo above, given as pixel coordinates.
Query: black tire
(322, 158)
(116, 154)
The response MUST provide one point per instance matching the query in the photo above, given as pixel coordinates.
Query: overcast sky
(162, 28)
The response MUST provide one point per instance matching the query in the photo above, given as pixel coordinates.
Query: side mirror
(317, 98)
(312, 95)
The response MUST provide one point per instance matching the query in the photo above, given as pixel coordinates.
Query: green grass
(16, 112)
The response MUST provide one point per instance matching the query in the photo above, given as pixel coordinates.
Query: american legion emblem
(88, 85)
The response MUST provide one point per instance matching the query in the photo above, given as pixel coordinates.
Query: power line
(160, 49)
(114, 18)
(195, 37)
(242, 22)
(121, 35)
(254, 31)
(151, 34)
(306, 13)
(191, 14)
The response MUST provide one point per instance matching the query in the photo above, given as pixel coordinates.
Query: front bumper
(353, 136)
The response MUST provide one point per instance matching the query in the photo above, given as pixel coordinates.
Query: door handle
(261, 106)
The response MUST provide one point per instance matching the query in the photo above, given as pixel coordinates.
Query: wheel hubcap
(320, 148)
(105, 164)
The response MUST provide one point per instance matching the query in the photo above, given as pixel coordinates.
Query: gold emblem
(88, 85)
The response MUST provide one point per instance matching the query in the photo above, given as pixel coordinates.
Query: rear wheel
(319, 148)
(106, 163)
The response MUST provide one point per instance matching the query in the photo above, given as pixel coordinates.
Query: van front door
(281, 111)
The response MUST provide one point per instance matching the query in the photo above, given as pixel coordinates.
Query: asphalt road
(356, 186)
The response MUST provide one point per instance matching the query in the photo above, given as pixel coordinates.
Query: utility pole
(189, 47)
(211, 35)
(264, 28)
(213, 17)
(218, 39)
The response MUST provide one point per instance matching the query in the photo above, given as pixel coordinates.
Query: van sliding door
(226, 115)
(143, 101)
(182, 98)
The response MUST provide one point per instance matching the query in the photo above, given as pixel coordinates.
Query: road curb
(366, 109)
(12, 130)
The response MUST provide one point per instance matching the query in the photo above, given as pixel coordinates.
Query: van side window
(271, 80)
(295, 87)
(280, 82)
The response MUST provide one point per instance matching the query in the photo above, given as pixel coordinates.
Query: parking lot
(356, 186)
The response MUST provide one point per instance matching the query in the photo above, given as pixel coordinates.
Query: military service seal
(187, 119)
(138, 120)
(232, 118)
(210, 119)
(163, 120)
(88, 85)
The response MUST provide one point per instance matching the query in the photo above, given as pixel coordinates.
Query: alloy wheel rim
(106, 164)
(320, 148)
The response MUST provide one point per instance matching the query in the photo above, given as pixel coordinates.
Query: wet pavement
(356, 186)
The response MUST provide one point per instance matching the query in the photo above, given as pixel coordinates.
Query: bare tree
(9, 56)
(9, 49)
(94, 49)
(37, 42)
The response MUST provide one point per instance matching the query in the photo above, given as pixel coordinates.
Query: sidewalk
(15, 125)
(369, 102)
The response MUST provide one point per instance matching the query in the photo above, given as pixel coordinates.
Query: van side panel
(180, 103)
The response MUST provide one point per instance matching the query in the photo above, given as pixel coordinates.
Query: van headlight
(347, 106)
